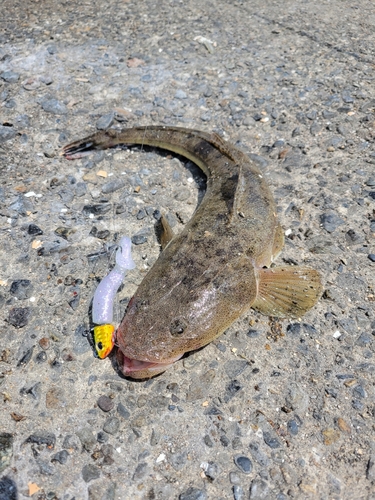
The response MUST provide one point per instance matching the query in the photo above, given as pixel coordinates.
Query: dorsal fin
(222, 146)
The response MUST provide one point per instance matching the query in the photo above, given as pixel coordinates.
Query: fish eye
(99, 345)
(178, 326)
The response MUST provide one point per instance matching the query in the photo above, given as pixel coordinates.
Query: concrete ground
(270, 410)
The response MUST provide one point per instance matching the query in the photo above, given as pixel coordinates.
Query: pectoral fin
(166, 232)
(287, 291)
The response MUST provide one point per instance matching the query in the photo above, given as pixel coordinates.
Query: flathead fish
(217, 267)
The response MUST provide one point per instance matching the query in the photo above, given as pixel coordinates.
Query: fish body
(217, 267)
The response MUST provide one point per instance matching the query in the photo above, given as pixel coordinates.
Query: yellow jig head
(104, 339)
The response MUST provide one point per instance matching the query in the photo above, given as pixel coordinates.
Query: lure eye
(99, 345)
(178, 326)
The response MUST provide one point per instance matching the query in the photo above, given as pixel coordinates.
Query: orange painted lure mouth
(104, 339)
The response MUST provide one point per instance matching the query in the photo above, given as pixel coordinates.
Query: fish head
(162, 323)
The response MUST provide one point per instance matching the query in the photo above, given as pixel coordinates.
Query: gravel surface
(272, 409)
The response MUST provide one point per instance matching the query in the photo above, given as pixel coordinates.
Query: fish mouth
(136, 368)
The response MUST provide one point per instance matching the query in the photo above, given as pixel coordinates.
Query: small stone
(105, 403)
(33, 389)
(90, 472)
(80, 342)
(208, 441)
(45, 468)
(80, 189)
(343, 425)
(293, 427)
(370, 470)
(308, 488)
(178, 460)
(359, 392)
(87, 438)
(180, 94)
(141, 214)
(260, 457)
(233, 368)
(330, 436)
(55, 398)
(328, 115)
(311, 115)
(26, 356)
(34, 230)
(371, 256)
(41, 357)
(111, 425)
(102, 437)
(351, 382)
(235, 478)
(296, 132)
(346, 97)
(6, 450)
(206, 117)
(224, 440)
(112, 186)
(97, 209)
(236, 443)
(331, 221)
(243, 463)
(61, 457)
(297, 399)
(139, 239)
(74, 302)
(352, 237)
(21, 289)
(258, 490)
(10, 76)
(182, 194)
(281, 496)
(103, 234)
(259, 160)
(155, 438)
(71, 442)
(31, 83)
(357, 405)
(270, 440)
(8, 489)
(105, 121)
(122, 411)
(66, 195)
(364, 340)
(102, 490)
(54, 106)
(42, 437)
(193, 494)
(6, 133)
(19, 316)
(231, 390)
(253, 333)
(315, 128)
(140, 471)
(238, 493)
(211, 470)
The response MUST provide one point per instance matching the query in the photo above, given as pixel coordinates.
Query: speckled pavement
(273, 410)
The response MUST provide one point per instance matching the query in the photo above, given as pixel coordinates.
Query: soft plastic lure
(102, 304)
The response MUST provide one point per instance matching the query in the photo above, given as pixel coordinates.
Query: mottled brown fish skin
(208, 275)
